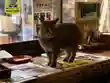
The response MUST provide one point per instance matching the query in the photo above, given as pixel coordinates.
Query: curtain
(104, 21)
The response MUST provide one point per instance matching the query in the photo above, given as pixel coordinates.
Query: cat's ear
(56, 20)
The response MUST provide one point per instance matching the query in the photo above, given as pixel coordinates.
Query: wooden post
(61, 11)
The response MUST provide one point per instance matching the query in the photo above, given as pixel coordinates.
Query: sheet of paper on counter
(32, 69)
(5, 54)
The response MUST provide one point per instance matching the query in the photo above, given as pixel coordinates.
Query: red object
(49, 15)
(20, 59)
(49, 22)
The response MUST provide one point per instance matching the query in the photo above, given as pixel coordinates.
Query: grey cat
(54, 37)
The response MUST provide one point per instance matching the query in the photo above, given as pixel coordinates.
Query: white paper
(24, 66)
(18, 75)
(27, 70)
(30, 70)
(4, 54)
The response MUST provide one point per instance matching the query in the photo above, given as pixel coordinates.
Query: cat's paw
(65, 59)
(68, 60)
(53, 65)
(49, 63)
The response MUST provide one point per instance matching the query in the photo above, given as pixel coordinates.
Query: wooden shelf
(83, 20)
(91, 1)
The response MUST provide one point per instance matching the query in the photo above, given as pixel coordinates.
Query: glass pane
(9, 25)
(50, 9)
(27, 23)
(16, 27)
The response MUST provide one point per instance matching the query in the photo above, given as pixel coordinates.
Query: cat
(53, 37)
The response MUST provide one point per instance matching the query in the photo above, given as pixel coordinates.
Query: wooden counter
(20, 47)
(80, 74)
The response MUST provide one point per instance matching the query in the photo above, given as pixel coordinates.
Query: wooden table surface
(43, 62)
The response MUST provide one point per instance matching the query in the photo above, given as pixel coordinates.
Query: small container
(20, 59)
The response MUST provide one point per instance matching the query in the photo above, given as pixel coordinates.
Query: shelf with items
(87, 17)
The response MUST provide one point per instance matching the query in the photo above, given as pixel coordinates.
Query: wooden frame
(78, 11)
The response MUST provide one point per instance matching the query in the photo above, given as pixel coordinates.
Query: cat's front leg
(49, 54)
(71, 53)
(68, 52)
(54, 58)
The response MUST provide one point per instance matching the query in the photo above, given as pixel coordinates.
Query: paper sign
(12, 6)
